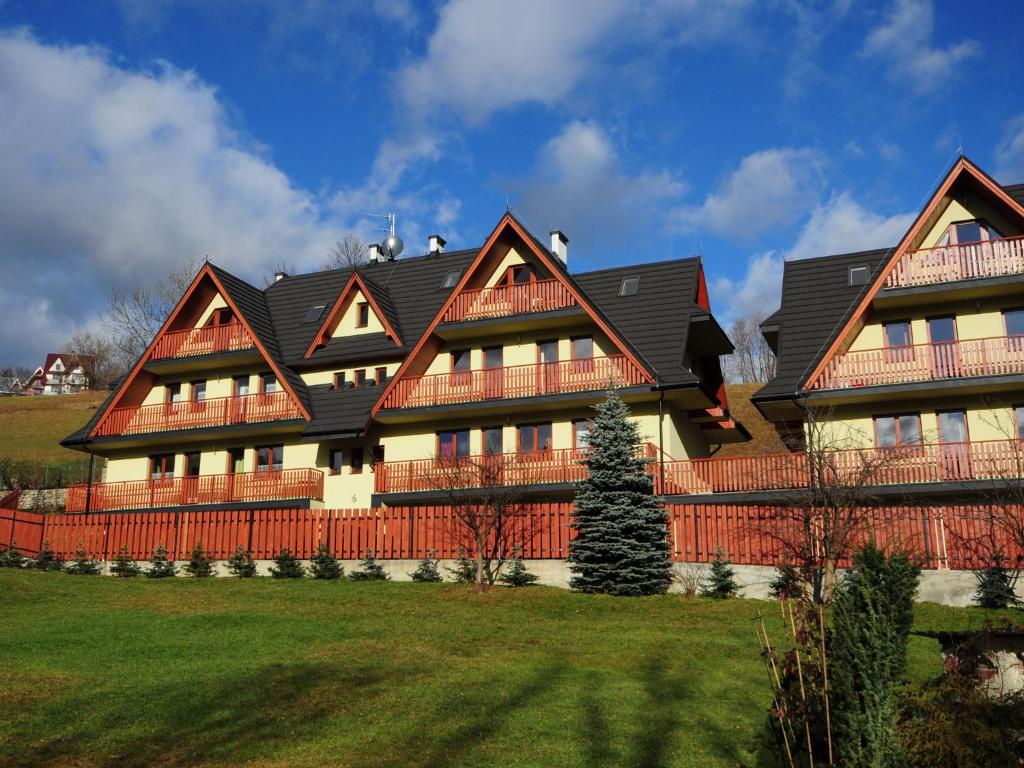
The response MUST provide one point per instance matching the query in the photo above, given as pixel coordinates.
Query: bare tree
(136, 312)
(350, 251)
(753, 361)
(103, 368)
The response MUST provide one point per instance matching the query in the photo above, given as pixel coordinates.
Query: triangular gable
(206, 272)
(470, 278)
(963, 169)
(377, 301)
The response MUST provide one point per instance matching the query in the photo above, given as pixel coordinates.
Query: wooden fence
(942, 537)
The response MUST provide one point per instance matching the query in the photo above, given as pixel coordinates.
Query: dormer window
(858, 275)
(362, 314)
(314, 313)
(450, 279)
(629, 287)
(964, 232)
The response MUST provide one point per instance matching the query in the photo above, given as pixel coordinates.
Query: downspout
(661, 438)
(88, 484)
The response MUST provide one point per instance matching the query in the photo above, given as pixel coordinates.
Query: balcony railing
(995, 356)
(196, 414)
(580, 375)
(502, 469)
(508, 300)
(202, 341)
(205, 489)
(950, 263)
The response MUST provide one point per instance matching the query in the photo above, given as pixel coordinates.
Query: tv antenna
(392, 244)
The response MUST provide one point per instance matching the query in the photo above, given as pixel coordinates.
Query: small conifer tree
(124, 566)
(427, 570)
(83, 564)
(464, 570)
(324, 565)
(12, 558)
(47, 559)
(996, 585)
(621, 547)
(517, 575)
(370, 570)
(287, 566)
(240, 564)
(200, 564)
(160, 567)
(721, 580)
(787, 584)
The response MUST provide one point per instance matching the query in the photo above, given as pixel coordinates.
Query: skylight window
(629, 287)
(314, 314)
(858, 275)
(450, 279)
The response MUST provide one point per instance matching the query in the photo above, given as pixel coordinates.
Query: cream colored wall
(347, 325)
(512, 258)
(123, 469)
(219, 385)
(974, 320)
(215, 303)
(312, 378)
(975, 209)
(519, 349)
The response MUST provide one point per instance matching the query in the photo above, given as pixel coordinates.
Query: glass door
(954, 445)
(945, 356)
(547, 357)
(494, 373)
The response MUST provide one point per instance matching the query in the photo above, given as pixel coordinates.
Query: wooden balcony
(197, 414)
(952, 263)
(202, 341)
(550, 467)
(205, 489)
(506, 301)
(581, 375)
(996, 356)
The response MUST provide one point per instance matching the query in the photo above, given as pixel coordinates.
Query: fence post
(177, 528)
(106, 536)
(14, 522)
(252, 522)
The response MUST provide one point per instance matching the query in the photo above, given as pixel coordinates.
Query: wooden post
(106, 535)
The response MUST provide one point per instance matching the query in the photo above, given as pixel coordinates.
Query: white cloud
(756, 294)
(1009, 168)
(904, 42)
(578, 185)
(770, 189)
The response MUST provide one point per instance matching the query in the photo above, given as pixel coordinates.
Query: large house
(911, 357)
(373, 385)
(63, 373)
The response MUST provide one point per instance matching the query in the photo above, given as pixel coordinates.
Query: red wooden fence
(942, 537)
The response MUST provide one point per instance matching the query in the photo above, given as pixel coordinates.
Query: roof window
(629, 287)
(451, 278)
(314, 314)
(858, 275)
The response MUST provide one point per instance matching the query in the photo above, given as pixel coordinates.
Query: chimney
(560, 245)
(375, 253)
(435, 244)
(279, 275)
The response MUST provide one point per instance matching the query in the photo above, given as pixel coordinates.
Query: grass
(32, 427)
(102, 671)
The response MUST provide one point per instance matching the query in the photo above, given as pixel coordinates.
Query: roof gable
(376, 297)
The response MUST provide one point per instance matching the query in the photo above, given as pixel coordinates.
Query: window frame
(484, 432)
(938, 426)
(236, 380)
(635, 279)
(270, 452)
(359, 377)
(356, 460)
(451, 278)
(310, 317)
(1018, 417)
(898, 432)
(536, 429)
(194, 388)
(172, 391)
(576, 434)
(859, 268)
(267, 378)
(186, 464)
(237, 452)
(165, 474)
(380, 375)
(461, 376)
(898, 353)
(584, 364)
(362, 314)
(333, 453)
(338, 380)
(455, 442)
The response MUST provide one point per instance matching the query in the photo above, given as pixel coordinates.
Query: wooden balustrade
(950, 263)
(580, 375)
(508, 300)
(994, 356)
(202, 489)
(195, 414)
(202, 341)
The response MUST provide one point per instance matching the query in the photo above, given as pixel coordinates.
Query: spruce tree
(427, 570)
(370, 570)
(123, 565)
(324, 565)
(200, 564)
(12, 558)
(721, 580)
(160, 567)
(47, 560)
(621, 547)
(464, 570)
(517, 575)
(287, 566)
(996, 585)
(83, 564)
(240, 564)
(787, 584)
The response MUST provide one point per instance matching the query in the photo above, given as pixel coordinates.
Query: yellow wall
(519, 349)
(215, 303)
(512, 258)
(347, 325)
(218, 384)
(974, 209)
(312, 378)
(974, 320)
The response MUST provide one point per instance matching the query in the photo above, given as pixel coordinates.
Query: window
(240, 386)
(450, 279)
(453, 444)
(377, 454)
(356, 460)
(314, 313)
(461, 373)
(583, 354)
(898, 431)
(335, 461)
(362, 314)
(953, 427)
(858, 275)
(581, 434)
(360, 378)
(547, 356)
(380, 375)
(221, 316)
(942, 330)
(898, 341)
(268, 383)
(198, 391)
(338, 381)
(173, 393)
(161, 467)
(1014, 319)
(270, 458)
(534, 438)
(1018, 414)
(236, 461)
(192, 460)
(492, 441)
(629, 287)
(965, 232)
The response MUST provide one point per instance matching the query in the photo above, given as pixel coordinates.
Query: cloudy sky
(135, 134)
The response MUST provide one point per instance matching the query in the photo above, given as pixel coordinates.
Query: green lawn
(32, 427)
(102, 671)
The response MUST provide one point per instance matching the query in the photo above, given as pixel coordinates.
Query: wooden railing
(203, 489)
(994, 356)
(195, 414)
(950, 263)
(580, 375)
(508, 300)
(202, 341)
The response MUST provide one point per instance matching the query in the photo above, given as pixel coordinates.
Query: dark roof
(339, 411)
(1016, 191)
(816, 300)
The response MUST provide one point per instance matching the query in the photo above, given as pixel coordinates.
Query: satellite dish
(392, 246)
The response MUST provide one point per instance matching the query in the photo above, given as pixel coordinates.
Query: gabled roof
(380, 304)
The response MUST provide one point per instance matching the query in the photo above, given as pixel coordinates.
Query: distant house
(10, 386)
(63, 373)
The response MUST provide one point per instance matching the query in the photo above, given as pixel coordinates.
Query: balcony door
(954, 445)
(944, 351)
(190, 484)
(494, 454)
(494, 372)
(236, 466)
(547, 359)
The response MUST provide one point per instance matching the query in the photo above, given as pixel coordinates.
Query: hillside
(764, 438)
(31, 428)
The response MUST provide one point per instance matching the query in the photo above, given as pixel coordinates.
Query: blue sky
(137, 133)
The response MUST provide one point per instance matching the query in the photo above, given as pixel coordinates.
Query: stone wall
(43, 500)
